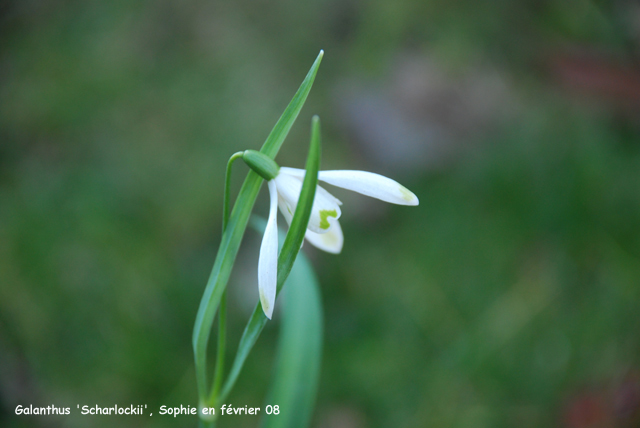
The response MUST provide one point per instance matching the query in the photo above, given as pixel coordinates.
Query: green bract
(266, 167)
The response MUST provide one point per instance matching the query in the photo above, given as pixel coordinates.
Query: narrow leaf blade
(282, 127)
(300, 350)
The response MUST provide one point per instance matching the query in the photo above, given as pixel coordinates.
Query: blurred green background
(509, 298)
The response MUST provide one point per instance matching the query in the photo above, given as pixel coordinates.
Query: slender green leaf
(282, 127)
(234, 232)
(299, 352)
(286, 258)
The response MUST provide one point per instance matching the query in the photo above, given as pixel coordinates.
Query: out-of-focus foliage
(509, 297)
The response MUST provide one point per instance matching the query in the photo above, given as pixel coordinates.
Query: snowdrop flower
(323, 230)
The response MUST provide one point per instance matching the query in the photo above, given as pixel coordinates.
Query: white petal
(370, 184)
(367, 183)
(287, 213)
(325, 210)
(299, 174)
(286, 210)
(268, 261)
(288, 187)
(330, 242)
(296, 172)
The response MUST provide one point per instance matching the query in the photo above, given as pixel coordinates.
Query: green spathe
(262, 164)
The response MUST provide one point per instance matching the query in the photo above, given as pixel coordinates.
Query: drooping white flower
(323, 230)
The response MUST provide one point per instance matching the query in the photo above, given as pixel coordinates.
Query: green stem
(222, 314)
(227, 190)
(206, 424)
(222, 333)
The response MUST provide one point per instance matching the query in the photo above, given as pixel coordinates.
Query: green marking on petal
(329, 239)
(407, 194)
(324, 223)
(264, 301)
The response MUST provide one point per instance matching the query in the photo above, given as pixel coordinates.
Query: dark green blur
(510, 297)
